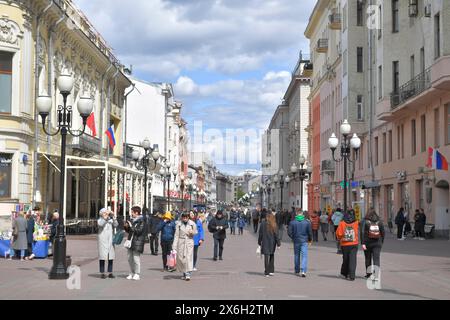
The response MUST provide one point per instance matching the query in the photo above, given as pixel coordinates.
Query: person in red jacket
(315, 224)
(347, 234)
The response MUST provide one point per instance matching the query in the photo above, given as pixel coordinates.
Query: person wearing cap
(167, 229)
(106, 224)
(217, 227)
(183, 245)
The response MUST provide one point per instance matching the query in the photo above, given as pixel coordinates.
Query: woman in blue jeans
(300, 231)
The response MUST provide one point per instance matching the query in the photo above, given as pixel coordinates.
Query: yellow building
(39, 40)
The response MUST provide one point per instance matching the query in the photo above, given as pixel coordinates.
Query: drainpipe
(124, 133)
(50, 73)
(371, 108)
(102, 105)
(109, 104)
(36, 94)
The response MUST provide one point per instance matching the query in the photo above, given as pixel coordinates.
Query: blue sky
(229, 60)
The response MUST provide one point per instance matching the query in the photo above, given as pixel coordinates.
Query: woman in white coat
(183, 245)
(106, 224)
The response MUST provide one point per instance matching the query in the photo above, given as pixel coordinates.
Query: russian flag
(110, 134)
(436, 160)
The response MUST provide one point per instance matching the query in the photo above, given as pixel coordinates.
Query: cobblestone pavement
(411, 269)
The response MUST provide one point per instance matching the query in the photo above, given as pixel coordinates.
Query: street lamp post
(346, 146)
(282, 180)
(44, 105)
(303, 174)
(143, 163)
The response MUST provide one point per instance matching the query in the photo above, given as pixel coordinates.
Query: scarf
(299, 218)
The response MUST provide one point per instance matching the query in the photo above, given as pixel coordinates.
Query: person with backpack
(167, 229)
(372, 239)
(336, 218)
(300, 232)
(217, 227)
(347, 234)
(400, 221)
(315, 224)
(241, 224)
(324, 224)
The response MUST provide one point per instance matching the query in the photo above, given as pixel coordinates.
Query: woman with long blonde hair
(268, 240)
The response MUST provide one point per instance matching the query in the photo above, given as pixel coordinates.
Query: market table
(40, 248)
(5, 245)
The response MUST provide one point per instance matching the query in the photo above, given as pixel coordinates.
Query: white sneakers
(271, 274)
(195, 269)
(133, 277)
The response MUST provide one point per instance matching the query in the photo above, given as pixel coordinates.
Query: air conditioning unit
(413, 8)
(427, 10)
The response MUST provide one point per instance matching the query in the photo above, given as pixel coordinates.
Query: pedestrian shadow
(337, 277)
(172, 277)
(406, 294)
(261, 274)
(155, 269)
(42, 269)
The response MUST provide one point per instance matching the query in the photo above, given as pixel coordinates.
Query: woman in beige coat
(183, 245)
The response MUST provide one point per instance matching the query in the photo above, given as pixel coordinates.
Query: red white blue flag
(436, 160)
(110, 134)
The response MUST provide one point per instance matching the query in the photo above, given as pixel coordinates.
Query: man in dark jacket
(420, 220)
(217, 227)
(300, 232)
(400, 221)
(155, 221)
(256, 215)
(233, 219)
(136, 234)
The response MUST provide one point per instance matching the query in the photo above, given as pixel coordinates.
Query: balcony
(411, 89)
(335, 21)
(86, 145)
(116, 111)
(308, 70)
(322, 46)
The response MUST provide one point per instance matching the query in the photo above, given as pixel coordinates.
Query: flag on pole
(91, 124)
(436, 160)
(110, 134)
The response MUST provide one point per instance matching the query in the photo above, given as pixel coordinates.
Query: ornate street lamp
(143, 163)
(65, 84)
(346, 146)
(303, 174)
(280, 177)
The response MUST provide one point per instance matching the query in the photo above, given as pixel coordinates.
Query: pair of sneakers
(186, 277)
(133, 277)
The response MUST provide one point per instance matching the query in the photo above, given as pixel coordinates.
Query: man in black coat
(217, 226)
(155, 221)
(256, 215)
(233, 219)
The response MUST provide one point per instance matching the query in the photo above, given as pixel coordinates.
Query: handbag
(258, 251)
(118, 237)
(128, 243)
(172, 260)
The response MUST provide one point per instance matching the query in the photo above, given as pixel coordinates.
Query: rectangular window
(5, 82)
(344, 59)
(413, 137)
(360, 14)
(403, 141)
(447, 124)
(390, 145)
(384, 147)
(399, 154)
(368, 154)
(361, 157)
(436, 128)
(344, 18)
(359, 60)
(395, 21)
(360, 107)
(376, 151)
(5, 175)
(395, 77)
(380, 22)
(437, 36)
(412, 67)
(380, 82)
(423, 133)
(422, 60)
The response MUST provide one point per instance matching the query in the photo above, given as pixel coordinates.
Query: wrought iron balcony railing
(411, 89)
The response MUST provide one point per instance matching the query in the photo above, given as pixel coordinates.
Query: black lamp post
(44, 105)
(303, 174)
(346, 146)
(282, 180)
(143, 163)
